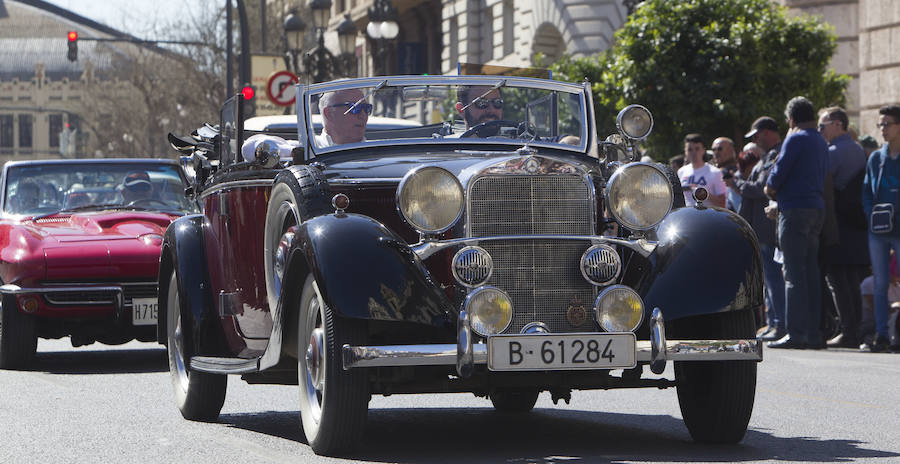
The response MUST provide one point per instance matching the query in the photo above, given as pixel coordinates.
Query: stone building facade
(868, 39)
(516, 33)
(42, 92)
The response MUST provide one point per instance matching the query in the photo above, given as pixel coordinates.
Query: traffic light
(73, 46)
(249, 102)
(247, 91)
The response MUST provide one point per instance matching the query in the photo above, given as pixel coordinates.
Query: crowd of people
(824, 206)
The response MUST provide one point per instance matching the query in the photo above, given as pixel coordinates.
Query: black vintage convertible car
(493, 246)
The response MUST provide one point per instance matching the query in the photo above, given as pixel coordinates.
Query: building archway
(548, 42)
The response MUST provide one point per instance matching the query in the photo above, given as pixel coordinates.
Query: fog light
(619, 309)
(490, 310)
(29, 305)
(600, 264)
(472, 266)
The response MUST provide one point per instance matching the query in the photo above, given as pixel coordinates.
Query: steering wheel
(488, 128)
(147, 202)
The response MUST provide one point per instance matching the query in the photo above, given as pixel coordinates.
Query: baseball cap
(763, 122)
(137, 180)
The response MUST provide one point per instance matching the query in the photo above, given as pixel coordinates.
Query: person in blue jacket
(797, 183)
(882, 186)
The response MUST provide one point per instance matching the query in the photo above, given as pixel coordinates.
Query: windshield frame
(306, 132)
(136, 163)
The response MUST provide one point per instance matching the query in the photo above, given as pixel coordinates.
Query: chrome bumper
(465, 354)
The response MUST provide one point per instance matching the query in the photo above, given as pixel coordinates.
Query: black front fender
(366, 271)
(184, 253)
(707, 261)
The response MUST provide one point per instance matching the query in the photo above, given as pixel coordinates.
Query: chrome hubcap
(178, 342)
(281, 253)
(315, 359)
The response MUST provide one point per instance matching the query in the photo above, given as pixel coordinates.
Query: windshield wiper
(495, 87)
(90, 207)
(374, 89)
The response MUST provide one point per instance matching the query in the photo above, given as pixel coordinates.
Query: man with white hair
(344, 117)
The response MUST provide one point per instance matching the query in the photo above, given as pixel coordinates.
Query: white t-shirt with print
(707, 176)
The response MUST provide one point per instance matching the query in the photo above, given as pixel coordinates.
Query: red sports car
(79, 250)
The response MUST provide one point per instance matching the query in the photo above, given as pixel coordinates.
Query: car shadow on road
(444, 435)
(110, 361)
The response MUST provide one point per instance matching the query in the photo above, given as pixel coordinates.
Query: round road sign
(280, 88)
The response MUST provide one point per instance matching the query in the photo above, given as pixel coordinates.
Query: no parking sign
(280, 88)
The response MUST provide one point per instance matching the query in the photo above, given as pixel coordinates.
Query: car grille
(542, 277)
(88, 297)
(142, 290)
(81, 297)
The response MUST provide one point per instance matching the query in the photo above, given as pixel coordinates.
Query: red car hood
(106, 244)
(88, 227)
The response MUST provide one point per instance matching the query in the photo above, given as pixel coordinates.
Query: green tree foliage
(709, 66)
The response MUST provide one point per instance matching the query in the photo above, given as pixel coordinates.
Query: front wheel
(716, 397)
(333, 402)
(199, 395)
(18, 341)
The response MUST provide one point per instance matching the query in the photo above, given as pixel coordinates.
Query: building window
(487, 35)
(56, 125)
(509, 39)
(26, 123)
(6, 131)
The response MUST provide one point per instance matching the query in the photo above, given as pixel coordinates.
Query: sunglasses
(355, 108)
(822, 125)
(482, 103)
(882, 125)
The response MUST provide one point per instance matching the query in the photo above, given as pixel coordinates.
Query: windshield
(449, 111)
(36, 189)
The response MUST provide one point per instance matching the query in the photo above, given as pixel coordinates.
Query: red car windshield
(36, 189)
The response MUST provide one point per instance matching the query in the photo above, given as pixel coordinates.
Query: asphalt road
(115, 405)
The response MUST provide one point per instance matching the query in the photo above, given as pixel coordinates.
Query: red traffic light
(247, 91)
(73, 36)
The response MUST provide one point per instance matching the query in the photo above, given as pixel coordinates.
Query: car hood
(383, 166)
(104, 226)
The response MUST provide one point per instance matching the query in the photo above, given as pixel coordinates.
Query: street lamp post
(382, 29)
(319, 62)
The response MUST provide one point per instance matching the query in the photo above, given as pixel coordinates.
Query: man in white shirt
(344, 117)
(698, 173)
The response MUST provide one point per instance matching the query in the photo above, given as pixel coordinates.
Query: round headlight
(635, 122)
(472, 266)
(619, 309)
(430, 199)
(490, 310)
(639, 196)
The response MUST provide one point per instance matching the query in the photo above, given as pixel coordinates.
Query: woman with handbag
(881, 202)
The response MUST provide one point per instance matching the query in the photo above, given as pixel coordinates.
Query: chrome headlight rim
(598, 316)
(617, 175)
(489, 264)
(472, 314)
(628, 111)
(617, 259)
(398, 198)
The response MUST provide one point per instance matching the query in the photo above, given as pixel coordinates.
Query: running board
(214, 365)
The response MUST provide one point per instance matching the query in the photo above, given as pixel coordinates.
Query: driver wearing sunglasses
(344, 119)
(477, 105)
